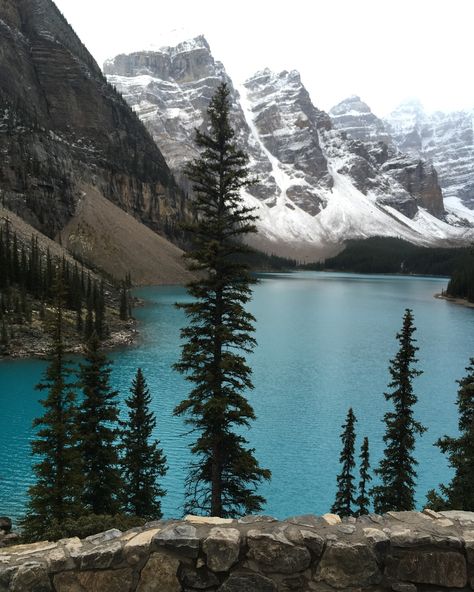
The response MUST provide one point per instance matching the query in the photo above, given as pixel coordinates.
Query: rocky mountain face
(418, 176)
(65, 130)
(284, 123)
(317, 185)
(355, 117)
(170, 90)
(446, 139)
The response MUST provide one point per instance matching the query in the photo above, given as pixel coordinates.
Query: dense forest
(461, 284)
(260, 261)
(27, 275)
(393, 255)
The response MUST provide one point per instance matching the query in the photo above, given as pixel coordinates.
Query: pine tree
(99, 305)
(143, 462)
(4, 340)
(55, 497)
(225, 475)
(124, 307)
(345, 495)
(459, 493)
(363, 500)
(89, 323)
(98, 432)
(397, 469)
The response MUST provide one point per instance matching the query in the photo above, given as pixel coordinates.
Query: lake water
(324, 344)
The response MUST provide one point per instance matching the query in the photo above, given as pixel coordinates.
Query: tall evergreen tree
(143, 462)
(4, 339)
(124, 302)
(55, 497)
(89, 322)
(397, 469)
(363, 500)
(345, 495)
(459, 493)
(98, 432)
(223, 479)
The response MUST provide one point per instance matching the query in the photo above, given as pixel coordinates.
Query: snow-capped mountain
(447, 139)
(355, 118)
(317, 187)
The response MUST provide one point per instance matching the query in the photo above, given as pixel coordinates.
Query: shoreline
(389, 273)
(39, 348)
(453, 300)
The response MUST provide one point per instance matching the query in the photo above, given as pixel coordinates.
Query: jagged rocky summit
(355, 117)
(73, 152)
(318, 186)
(444, 140)
(447, 139)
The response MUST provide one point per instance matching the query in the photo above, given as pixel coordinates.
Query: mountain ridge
(443, 139)
(317, 186)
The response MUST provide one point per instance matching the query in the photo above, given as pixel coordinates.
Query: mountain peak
(352, 104)
(410, 105)
(186, 45)
(167, 63)
(284, 77)
(355, 118)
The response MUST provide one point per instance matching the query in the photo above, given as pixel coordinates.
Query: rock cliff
(417, 176)
(400, 552)
(355, 117)
(446, 139)
(62, 126)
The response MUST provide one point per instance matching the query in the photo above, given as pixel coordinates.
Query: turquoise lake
(324, 344)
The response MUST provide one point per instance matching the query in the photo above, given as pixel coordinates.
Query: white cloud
(382, 50)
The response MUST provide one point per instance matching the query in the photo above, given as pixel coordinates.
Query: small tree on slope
(345, 480)
(225, 474)
(397, 469)
(142, 461)
(459, 494)
(55, 497)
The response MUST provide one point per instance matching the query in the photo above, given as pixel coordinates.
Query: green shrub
(89, 524)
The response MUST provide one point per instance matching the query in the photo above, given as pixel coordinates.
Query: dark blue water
(324, 343)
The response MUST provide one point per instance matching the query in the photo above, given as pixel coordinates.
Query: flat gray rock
(182, 537)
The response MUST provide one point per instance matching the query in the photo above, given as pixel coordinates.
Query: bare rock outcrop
(62, 125)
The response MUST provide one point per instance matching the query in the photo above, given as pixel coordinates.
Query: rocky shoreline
(461, 301)
(37, 344)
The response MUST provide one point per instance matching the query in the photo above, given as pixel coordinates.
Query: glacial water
(324, 343)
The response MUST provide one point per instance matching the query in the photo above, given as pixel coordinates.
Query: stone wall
(403, 552)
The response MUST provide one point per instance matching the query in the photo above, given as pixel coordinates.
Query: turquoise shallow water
(324, 343)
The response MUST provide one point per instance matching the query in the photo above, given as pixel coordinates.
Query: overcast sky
(383, 50)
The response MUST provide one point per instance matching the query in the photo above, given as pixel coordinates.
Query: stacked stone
(400, 551)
